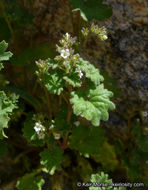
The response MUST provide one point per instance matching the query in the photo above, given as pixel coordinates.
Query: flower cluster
(100, 32)
(85, 32)
(67, 58)
(42, 68)
(42, 65)
(40, 130)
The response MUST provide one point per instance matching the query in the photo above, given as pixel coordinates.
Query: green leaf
(90, 71)
(30, 182)
(23, 94)
(84, 168)
(52, 158)
(86, 139)
(61, 125)
(101, 179)
(52, 63)
(92, 9)
(4, 56)
(142, 142)
(29, 132)
(106, 151)
(94, 105)
(54, 82)
(73, 79)
(6, 107)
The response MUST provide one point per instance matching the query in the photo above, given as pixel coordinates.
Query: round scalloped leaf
(61, 125)
(100, 179)
(54, 82)
(90, 71)
(4, 56)
(92, 9)
(111, 162)
(94, 105)
(29, 132)
(52, 63)
(73, 79)
(6, 107)
(52, 158)
(86, 139)
(30, 182)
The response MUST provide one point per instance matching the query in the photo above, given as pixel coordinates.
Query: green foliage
(103, 180)
(91, 9)
(30, 133)
(47, 120)
(30, 181)
(61, 126)
(81, 139)
(111, 162)
(53, 82)
(6, 107)
(141, 138)
(52, 159)
(23, 94)
(84, 168)
(134, 158)
(94, 105)
(73, 79)
(90, 71)
(4, 56)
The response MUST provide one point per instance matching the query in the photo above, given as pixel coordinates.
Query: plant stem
(69, 106)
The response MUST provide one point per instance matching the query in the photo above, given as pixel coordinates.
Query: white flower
(65, 53)
(37, 127)
(77, 123)
(80, 74)
(41, 135)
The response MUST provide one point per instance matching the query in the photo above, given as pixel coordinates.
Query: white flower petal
(65, 53)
